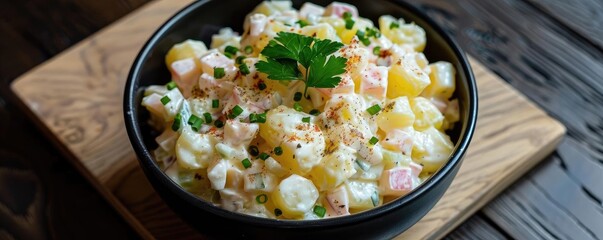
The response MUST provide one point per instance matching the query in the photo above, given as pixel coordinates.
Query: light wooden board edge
(124, 211)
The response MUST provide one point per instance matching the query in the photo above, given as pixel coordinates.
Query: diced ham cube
(337, 9)
(397, 181)
(416, 169)
(185, 73)
(310, 9)
(399, 140)
(374, 81)
(339, 204)
(239, 133)
(153, 104)
(214, 59)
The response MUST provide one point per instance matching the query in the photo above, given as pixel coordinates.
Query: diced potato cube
(321, 31)
(392, 159)
(261, 181)
(426, 114)
(275, 167)
(302, 143)
(399, 140)
(406, 78)
(442, 81)
(153, 104)
(294, 196)
(187, 49)
(271, 7)
(403, 34)
(336, 167)
(194, 150)
(225, 37)
(238, 133)
(362, 194)
(310, 9)
(432, 149)
(397, 114)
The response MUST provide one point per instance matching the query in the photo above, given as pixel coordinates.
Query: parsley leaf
(287, 50)
(282, 69)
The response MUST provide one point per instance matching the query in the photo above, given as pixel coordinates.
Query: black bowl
(203, 18)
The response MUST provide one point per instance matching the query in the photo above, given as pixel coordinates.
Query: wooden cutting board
(76, 98)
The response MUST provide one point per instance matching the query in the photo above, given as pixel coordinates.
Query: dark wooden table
(550, 50)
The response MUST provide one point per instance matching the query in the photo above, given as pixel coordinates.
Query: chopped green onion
(320, 211)
(375, 198)
(373, 140)
(261, 199)
(373, 32)
(297, 96)
(236, 111)
(177, 122)
(302, 23)
(171, 85)
(377, 50)
(277, 212)
(261, 85)
(244, 69)
(192, 119)
(360, 34)
(253, 150)
(197, 125)
(230, 49)
(349, 23)
(362, 37)
(394, 25)
(165, 100)
(264, 156)
(219, 73)
(248, 49)
(374, 109)
(246, 163)
(253, 118)
(240, 59)
(262, 117)
(297, 107)
(215, 103)
(207, 117)
(306, 119)
(278, 151)
(228, 55)
(218, 123)
(314, 112)
(347, 15)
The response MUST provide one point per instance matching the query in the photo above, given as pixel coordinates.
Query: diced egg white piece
(232, 199)
(194, 150)
(153, 104)
(238, 133)
(295, 195)
(310, 9)
(374, 81)
(173, 106)
(398, 181)
(214, 59)
(275, 167)
(338, 203)
(217, 174)
(257, 24)
(335, 168)
(185, 73)
(167, 139)
(362, 195)
(338, 8)
(260, 181)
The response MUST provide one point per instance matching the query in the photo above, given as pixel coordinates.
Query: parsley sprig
(287, 50)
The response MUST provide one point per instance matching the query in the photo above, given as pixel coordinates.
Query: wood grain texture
(561, 72)
(77, 97)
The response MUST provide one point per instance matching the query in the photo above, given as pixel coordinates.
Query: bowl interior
(204, 18)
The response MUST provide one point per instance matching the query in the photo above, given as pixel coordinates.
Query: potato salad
(306, 114)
